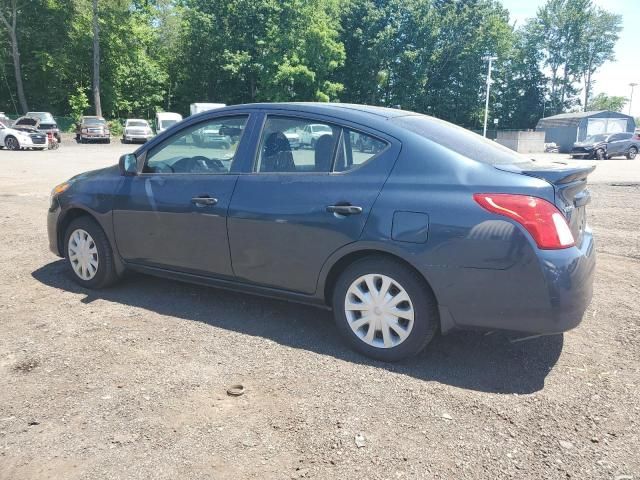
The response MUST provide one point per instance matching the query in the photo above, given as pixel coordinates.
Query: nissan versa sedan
(428, 229)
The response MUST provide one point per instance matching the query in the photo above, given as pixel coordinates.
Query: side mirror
(128, 164)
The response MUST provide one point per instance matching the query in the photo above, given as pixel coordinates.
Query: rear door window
(296, 145)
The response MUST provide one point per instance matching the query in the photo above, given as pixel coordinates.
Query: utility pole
(631, 96)
(486, 104)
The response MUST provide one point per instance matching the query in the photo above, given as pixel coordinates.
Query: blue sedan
(402, 224)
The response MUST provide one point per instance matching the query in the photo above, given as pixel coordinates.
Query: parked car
(311, 133)
(293, 136)
(14, 139)
(212, 136)
(92, 128)
(28, 124)
(47, 124)
(136, 130)
(438, 229)
(607, 145)
(165, 120)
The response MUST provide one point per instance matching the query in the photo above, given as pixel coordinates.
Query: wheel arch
(10, 135)
(343, 261)
(65, 220)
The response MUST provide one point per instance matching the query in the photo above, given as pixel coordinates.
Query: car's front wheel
(89, 254)
(632, 152)
(11, 143)
(600, 154)
(384, 309)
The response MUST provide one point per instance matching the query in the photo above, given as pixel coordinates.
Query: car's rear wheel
(631, 154)
(11, 143)
(600, 155)
(89, 254)
(384, 309)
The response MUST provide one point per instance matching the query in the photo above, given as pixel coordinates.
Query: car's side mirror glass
(128, 164)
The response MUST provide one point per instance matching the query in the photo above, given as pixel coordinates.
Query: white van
(165, 119)
(204, 107)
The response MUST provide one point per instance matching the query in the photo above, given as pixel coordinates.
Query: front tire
(600, 154)
(632, 152)
(384, 309)
(89, 254)
(11, 143)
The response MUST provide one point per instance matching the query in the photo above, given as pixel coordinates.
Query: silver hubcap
(83, 254)
(12, 144)
(379, 311)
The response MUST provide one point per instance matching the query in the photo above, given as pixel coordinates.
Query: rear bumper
(547, 292)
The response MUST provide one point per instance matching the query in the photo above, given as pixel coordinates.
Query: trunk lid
(569, 181)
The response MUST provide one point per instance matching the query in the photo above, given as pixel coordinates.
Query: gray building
(567, 128)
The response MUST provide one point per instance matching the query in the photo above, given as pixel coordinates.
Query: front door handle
(204, 201)
(344, 209)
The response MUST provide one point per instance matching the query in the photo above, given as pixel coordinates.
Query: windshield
(137, 123)
(167, 123)
(596, 138)
(459, 140)
(44, 117)
(93, 121)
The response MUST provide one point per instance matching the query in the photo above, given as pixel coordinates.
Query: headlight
(106, 132)
(58, 189)
(84, 130)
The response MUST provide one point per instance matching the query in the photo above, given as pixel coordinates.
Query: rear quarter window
(459, 140)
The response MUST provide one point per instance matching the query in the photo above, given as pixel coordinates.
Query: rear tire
(384, 309)
(88, 254)
(631, 153)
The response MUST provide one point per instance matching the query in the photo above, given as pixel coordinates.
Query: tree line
(135, 57)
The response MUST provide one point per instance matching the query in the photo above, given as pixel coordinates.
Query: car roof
(338, 109)
(136, 120)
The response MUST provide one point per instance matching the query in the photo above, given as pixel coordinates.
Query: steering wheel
(164, 168)
(213, 163)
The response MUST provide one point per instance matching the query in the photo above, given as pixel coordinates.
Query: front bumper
(137, 138)
(94, 136)
(546, 292)
(581, 154)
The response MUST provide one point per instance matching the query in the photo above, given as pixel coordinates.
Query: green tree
(602, 101)
(597, 46)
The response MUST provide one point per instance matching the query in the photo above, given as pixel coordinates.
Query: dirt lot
(130, 382)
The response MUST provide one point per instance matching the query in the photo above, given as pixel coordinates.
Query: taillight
(540, 218)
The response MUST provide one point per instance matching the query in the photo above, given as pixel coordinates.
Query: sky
(613, 78)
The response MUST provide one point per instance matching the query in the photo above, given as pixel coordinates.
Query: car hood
(107, 172)
(587, 144)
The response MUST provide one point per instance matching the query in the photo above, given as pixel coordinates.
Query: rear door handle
(344, 209)
(203, 201)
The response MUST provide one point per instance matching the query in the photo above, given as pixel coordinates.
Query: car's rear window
(459, 140)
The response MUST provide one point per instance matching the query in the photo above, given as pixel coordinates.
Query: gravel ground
(130, 382)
